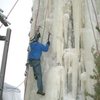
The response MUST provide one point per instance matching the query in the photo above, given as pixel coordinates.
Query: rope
(36, 19)
(26, 80)
(45, 20)
(61, 84)
(11, 10)
(92, 25)
(37, 15)
(20, 84)
(95, 13)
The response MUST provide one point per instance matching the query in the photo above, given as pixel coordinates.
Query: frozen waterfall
(68, 64)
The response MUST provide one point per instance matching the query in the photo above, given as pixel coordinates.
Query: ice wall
(68, 64)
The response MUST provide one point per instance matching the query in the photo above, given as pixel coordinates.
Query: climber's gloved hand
(48, 42)
(98, 28)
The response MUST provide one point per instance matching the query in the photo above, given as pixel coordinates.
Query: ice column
(71, 69)
(89, 42)
(77, 26)
(57, 43)
(66, 22)
(77, 21)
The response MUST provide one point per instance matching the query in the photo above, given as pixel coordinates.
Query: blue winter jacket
(35, 50)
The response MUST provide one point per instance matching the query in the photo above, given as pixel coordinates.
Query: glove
(48, 42)
(38, 35)
(97, 28)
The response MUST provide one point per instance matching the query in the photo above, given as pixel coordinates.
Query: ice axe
(49, 35)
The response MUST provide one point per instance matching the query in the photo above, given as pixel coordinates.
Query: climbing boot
(41, 93)
(35, 76)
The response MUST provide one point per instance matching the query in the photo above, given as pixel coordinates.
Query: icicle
(66, 21)
(83, 84)
(71, 59)
(54, 83)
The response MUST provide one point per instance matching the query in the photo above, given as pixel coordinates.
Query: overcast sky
(20, 26)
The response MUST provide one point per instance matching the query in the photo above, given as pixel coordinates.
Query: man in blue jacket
(35, 51)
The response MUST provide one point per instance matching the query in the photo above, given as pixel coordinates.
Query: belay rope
(37, 15)
(46, 12)
(92, 25)
(95, 13)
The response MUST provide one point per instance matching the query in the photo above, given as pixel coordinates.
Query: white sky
(20, 25)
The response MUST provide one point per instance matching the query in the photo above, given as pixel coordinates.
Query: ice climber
(35, 51)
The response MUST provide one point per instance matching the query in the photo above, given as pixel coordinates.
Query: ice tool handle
(49, 36)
